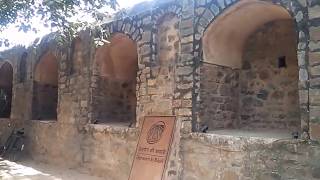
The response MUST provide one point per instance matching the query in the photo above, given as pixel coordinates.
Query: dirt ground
(30, 170)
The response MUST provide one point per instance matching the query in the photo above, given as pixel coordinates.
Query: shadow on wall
(6, 77)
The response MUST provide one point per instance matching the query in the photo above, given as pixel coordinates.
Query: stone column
(314, 66)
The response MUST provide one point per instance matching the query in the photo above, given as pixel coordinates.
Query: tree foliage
(55, 14)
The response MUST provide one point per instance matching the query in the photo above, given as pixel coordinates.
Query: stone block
(315, 70)
(186, 126)
(314, 46)
(314, 12)
(186, 70)
(314, 95)
(188, 23)
(146, 36)
(187, 39)
(301, 58)
(186, 103)
(314, 58)
(303, 75)
(303, 3)
(315, 130)
(315, 82)
(303, 96)
(183, 112)
(299, 16)
(314, 33)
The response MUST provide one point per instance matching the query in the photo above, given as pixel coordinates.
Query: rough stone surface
(268, 97)
(220, 92)
(225, 157)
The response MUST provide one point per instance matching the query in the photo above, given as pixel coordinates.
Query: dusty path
(30, 170)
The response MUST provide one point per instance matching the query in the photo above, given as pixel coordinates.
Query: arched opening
(23, 68)
(250, 69)
(114, 95)
(6, 77)
(45, 88)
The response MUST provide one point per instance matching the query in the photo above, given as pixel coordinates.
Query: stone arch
(45, 88)
(160, 12)
(230, 34)
(6, 84)
(127, 26)
(224, 33)
(115, 75)
(208, 11)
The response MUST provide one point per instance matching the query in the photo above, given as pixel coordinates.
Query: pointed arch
(45, 88)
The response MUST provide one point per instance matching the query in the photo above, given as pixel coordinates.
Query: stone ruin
(239, 76)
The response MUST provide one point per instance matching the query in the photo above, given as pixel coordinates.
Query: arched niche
(6, 82)
(249, 74)
(45, 91)
(116, 65)
(225, 38)
(118, 58)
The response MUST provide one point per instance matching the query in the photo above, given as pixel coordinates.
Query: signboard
(153, 148)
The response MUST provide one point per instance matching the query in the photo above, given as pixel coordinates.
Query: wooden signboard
(153, 148)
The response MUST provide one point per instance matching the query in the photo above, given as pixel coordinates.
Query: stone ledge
(43, 121)
(112, 128)
(236, 143)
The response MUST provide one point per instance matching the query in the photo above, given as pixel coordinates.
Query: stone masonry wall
(269, 93)
(220, 89)
(207, 11)
(243, 158)
(314, 68)
(44, 102)
(114, 101)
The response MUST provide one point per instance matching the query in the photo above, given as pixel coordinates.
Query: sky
(20, 38)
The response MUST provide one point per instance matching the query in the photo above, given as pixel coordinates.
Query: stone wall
(242, 158)
(102, 150)
(314, 73)
(220, 89)
(269, 93)
(45, 100)
(114, 101)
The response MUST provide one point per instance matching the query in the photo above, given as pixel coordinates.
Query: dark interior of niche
(282, 62)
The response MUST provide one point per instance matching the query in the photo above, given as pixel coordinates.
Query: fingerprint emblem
(155, 133)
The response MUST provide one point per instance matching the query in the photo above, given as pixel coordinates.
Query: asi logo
(155, 133)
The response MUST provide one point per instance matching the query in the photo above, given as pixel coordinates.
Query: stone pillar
(314, 66)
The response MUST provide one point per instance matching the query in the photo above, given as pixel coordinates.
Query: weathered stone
(314, 12)
(303, 75)
(315, 33)
(314, 46)
(315, 71)
(314, 58)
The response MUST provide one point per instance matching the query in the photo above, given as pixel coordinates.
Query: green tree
(53, 13)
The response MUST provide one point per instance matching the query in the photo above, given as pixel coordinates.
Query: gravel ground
(30, 170)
